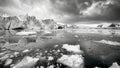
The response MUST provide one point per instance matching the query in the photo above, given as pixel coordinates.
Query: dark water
(95, 54)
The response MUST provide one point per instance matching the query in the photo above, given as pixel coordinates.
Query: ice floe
(114, 65)
(26, 33)
(8, 62)
(108, 42)
(16, 53)
(26, 62)
(26, 50)
(72, 48)
(6, 56)
(50, 58)
(58, 50)
(56, 46)
(73, 61)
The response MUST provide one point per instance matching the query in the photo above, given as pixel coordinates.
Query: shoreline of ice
(26, 33)
(108, 42)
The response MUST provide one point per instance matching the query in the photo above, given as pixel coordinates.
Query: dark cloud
(103, 10)
(88, 10)
(69, 11)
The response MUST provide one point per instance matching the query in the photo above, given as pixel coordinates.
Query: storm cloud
(66, 11)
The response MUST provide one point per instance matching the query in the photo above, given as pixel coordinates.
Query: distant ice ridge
(108, 42)
(26, 33)
(72, 48)
(73, 61)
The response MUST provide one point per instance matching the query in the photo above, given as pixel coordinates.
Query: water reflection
(95, 54)
(55, 32)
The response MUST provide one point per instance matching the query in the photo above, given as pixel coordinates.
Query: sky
(65, 11)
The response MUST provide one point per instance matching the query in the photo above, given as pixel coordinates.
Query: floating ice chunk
(58, 50)
(108, 42)
(6, 56)
(46, 51)
(72, 48)
(56, 46)
(16, 53)
(41, 66)
(8, 62)
(114, 65)
(76, 36)
(50, 58)
(73, 61)
(26, 33)
(26, 51)
(11, 56)
(26, 62)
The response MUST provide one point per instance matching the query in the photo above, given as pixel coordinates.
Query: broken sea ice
(73, 61)
(50, 58)
(72, 48)
(26, 62)
(26, 50)
(8, 62)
